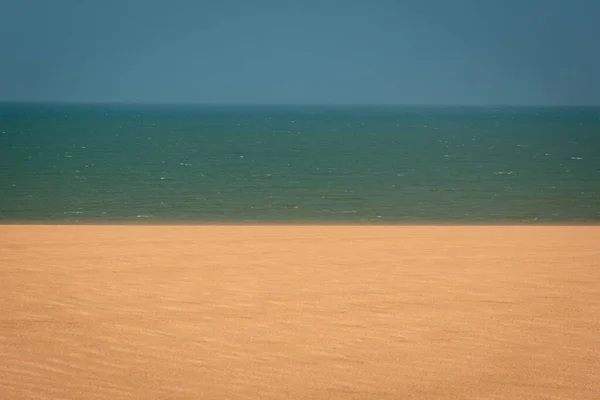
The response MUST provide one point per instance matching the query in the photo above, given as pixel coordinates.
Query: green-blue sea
(118, 163)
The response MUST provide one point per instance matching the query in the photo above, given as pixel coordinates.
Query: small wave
(576, 158)
(504, 173)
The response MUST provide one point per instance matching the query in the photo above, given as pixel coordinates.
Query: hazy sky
(278, 51)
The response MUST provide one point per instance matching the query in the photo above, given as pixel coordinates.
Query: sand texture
(282, 312)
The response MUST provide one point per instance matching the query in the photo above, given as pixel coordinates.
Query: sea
(291, 164)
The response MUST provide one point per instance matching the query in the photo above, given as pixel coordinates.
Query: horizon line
(298, 104)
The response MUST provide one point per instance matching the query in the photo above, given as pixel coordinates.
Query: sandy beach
(299, 312)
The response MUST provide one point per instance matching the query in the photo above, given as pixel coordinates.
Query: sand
(278, 312)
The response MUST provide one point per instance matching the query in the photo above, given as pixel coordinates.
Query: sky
(436, 52)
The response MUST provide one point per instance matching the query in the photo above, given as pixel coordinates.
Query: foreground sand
(299, 312)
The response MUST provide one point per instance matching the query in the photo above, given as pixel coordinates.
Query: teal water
(195, 164)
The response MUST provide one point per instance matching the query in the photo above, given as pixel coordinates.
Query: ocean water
(298, 164)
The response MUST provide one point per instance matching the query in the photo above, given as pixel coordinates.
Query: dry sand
(226, 312)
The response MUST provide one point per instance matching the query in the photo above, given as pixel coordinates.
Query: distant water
(195, 164)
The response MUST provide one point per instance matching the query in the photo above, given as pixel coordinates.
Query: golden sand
(282, 312)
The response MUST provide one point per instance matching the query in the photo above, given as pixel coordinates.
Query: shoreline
(298, 224)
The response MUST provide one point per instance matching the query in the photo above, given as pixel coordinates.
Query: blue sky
(324, 52)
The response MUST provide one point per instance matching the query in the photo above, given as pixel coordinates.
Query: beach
(299, 312)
